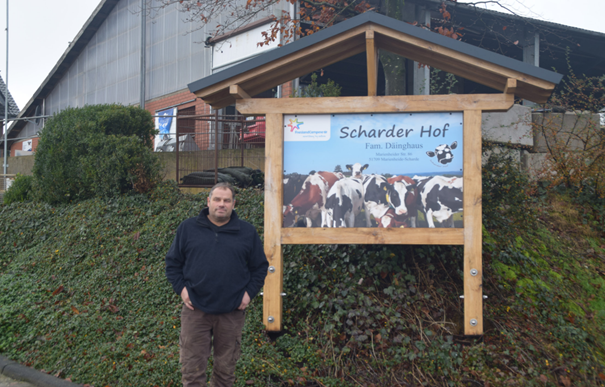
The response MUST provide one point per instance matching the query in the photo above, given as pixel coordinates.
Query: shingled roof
(13, 109)
(349, 37)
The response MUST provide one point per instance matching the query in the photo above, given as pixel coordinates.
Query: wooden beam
(366, 236)
(511, 86)
(272, 299)
(322, 53)
(382, 104)
(372, 63)
(237, 92)
(472, 267)
(415, 46)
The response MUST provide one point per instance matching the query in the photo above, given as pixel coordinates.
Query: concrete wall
(511, 127)
(565, 126)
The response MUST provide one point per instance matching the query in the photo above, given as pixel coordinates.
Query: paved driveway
(6, 382)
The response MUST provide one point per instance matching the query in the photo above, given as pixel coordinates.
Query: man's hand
(187, 301)
(245, 301)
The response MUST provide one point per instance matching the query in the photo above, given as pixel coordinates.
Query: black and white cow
(379, 196)
(293, 183)
(443, 153)
(440, 197)
(344, 203)
(356, 170)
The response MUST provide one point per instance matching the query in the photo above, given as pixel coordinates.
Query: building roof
(105, 6)
(348, 38)
(561, 47)
(70, 55)
(13, 109)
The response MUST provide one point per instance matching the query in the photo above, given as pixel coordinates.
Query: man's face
(220, 205)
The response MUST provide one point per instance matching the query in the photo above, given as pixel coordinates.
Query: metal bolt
(271, 319)
(474, 272)
(485, 297)
(282, 294)
(462, 296)
(473, 322)
(271, 269)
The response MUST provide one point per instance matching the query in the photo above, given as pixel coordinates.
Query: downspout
(143, 52)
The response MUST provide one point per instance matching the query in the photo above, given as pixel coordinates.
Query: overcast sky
(40, 31)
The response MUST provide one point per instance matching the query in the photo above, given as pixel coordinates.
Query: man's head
(221, 201)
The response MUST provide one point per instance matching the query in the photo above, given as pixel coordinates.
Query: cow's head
(396, 196)
(443, 153)
(356, 170)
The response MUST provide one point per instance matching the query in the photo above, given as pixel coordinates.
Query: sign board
(398, 137)
(165, 123)
(27, 145)
(398, 155)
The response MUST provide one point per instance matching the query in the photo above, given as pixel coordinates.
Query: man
(217, 265)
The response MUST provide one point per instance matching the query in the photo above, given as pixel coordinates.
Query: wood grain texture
(377, 236)
(473, 285)
(511, 86)
(272, 299)
(382, 104)
(237, 92)
(371, 63)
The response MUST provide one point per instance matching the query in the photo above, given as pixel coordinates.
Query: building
(103, 63)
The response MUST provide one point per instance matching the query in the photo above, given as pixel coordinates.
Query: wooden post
(473, 273)
(372, 63)
(272, 299)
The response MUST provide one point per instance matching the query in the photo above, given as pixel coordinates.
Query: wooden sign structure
(470, 236)
(370, 32)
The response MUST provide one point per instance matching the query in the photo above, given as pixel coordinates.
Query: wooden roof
(370, 32)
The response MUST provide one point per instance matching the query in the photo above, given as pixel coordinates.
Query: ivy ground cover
(83, 296)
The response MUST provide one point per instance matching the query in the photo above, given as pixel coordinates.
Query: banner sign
(166, 124)
(373, 170)
(27, 145)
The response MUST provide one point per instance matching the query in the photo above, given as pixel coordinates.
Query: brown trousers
(201, 331)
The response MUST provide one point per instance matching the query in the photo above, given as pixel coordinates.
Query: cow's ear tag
(388, 199)
(385, 188)
(296, 212)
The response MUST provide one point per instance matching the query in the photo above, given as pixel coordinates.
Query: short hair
(223, 185)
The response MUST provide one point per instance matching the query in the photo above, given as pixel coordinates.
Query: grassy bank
(83, 296)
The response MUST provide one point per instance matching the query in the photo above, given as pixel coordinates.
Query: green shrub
(20, 190)
(98, 150)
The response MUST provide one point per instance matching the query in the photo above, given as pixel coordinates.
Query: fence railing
(209, 143)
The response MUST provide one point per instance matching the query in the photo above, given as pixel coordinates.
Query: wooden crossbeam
(238, 92)
(511, 86)
(382, 104)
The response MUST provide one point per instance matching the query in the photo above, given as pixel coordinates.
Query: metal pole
(143, 52)
(241, 136)
(6, 100)
(215, 146)
(177, 149)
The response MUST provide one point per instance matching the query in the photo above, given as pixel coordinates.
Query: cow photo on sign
(373, 170)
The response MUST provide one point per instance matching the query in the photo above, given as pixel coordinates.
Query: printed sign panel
(373, 170)
(166, 124)
(27, 145)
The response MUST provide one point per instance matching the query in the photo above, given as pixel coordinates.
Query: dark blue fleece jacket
(216, 264)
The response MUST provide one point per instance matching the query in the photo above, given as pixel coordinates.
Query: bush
(20, 190)
(98, 150)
